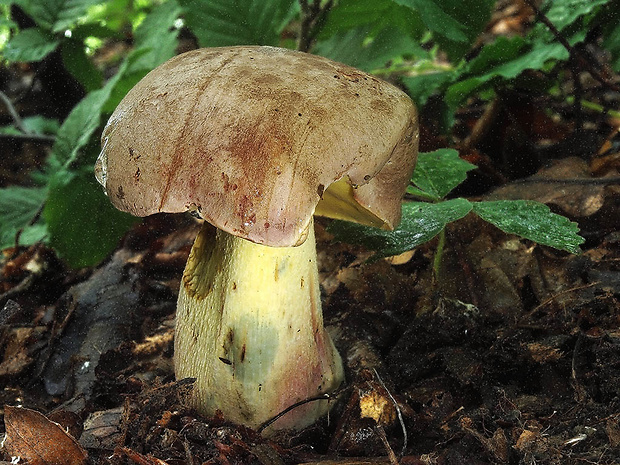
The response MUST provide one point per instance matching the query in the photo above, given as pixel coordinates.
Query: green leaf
(56, 15)
(474, 15)
(354, 49)
(520, 60)
(533, 221)
(40, 125)
(158, 35)
(33, 125)
(422, 86)
(611, 43)
(82, 223)
(563, 13)
(437, 173)
(32, 44)
(437, 19)
(81, 123)
(420, 223)
(80, 65)
(236, 22)
(19, 206)
(373, 15)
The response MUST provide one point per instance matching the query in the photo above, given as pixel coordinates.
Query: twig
(587, 62)
(398, 412)
(19, 123)
(391, 455)
(29, 137)
(312, 15)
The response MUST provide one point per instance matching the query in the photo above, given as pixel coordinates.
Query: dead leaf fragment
(34, 438)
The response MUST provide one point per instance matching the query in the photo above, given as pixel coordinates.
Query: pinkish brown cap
(252, 138)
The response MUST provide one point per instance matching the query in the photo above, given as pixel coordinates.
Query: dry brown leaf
(34, 438)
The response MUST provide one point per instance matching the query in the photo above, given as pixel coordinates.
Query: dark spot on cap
(242, 355)
(136, 175)
(266, 225)
(120, 194)
(320, 190)
(367, 177)
(225, 361)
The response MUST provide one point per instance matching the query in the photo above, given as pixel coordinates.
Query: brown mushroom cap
(251, 138)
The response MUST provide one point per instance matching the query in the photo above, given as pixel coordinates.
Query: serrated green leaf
(19, 206)
(82, 223)
(56, 15)
(236, 22)
(439, 172)
(420, 223)
(32, 44)
(531, 220)
(158, 35)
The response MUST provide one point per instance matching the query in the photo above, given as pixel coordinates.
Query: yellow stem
(250, 330)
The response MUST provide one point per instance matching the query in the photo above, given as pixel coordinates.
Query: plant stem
(439, 256)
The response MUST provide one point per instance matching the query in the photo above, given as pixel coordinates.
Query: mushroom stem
(250, 330)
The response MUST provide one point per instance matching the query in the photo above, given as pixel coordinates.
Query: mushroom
(255, 140)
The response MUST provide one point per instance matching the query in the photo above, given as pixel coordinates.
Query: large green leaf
(32, 44)
(238, 22)
(420, 223)
(82, 223)
(19, 207)
(531, 220)
(354, 49)
(439, 172)
(56, 15)
(374, 15)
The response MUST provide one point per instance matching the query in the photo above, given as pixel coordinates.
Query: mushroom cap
(251, 138)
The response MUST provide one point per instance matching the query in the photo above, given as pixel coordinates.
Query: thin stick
(19, 123)
(398, 412)
(562, 40)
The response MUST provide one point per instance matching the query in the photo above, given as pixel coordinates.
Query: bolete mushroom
(255, 140)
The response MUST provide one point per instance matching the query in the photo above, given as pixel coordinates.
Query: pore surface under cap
(251, 137)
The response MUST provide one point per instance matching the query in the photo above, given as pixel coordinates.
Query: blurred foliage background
(82, 56)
